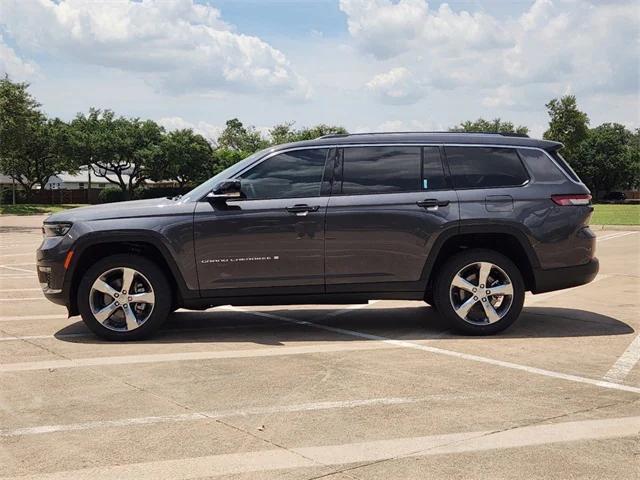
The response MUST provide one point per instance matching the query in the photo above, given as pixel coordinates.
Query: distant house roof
(82, 176)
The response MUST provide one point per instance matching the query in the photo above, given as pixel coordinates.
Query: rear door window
(389, 169)
(485, 167)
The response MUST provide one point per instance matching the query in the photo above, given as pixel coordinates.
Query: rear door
(387, 205)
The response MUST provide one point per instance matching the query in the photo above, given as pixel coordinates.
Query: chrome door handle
(302, 209)
(432, 203)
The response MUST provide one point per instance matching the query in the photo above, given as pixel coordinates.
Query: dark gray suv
(465, 222)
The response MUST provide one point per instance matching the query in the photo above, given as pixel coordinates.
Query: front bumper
(50, 258)
(567, 277)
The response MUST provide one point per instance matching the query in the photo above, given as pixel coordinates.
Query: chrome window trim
(409, 144)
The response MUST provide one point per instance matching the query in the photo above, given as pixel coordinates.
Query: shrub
(161, 192)
(111, 194)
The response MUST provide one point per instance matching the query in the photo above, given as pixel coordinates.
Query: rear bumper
(567, 277)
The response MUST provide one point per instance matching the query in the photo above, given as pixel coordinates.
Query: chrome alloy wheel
(121, 299)
(481, 293)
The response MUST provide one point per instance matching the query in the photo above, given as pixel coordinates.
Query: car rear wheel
(124, 297)
(480, 292)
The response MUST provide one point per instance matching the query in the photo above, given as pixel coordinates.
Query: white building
(80, 181)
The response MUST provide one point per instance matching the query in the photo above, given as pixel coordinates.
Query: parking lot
(378, 391)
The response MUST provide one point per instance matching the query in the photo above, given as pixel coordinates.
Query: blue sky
(365, 64)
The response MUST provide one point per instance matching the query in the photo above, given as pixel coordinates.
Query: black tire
(449, 270)
(157, 280)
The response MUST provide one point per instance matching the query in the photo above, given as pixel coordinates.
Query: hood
(106, 211)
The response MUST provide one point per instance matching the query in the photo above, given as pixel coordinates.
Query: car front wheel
(124, 297)
(480, 292)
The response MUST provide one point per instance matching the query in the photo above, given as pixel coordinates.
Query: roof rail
(503, 134)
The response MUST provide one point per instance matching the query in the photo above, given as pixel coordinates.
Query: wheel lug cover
(475, 290)
(475, 298)
(488, 293)
(117, 304)
(117, 295)
(130, 298)
(484, 299)
(482, 286)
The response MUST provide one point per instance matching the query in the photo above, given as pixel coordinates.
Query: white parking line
(21, 299)
(373, 451)
(531, 298)
(126, 422)
(619, 371)
(452, 353)
(17, 269)
(350, 308)
(9, 290)
(325, 347)
(13, 318)
(615, 235)
(44, 337)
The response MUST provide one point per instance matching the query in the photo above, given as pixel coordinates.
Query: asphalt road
(379, 391)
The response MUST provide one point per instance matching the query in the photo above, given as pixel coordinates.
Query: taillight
(577, 199)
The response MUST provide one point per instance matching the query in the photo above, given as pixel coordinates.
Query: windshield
(206, 187)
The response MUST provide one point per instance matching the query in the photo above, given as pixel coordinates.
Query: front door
(387, 206)
(271, 241)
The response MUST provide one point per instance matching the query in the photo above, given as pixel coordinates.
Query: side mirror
(226, 189)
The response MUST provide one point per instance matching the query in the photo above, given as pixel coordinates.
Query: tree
(117, 148)
(286, 133)
(31, 146)
(185, 157)
(609, 158)
(237, 137)
(568, 125)
(223, 158)
(490, 126)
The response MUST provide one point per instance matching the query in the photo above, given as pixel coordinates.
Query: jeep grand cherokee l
(466, 222)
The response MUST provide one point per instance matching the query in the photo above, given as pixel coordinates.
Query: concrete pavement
(380, 391)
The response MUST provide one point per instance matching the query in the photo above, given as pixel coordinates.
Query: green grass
(616, 215)
(32, 209)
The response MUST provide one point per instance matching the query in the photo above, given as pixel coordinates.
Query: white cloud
(503, 96)
(386, 29)
(397, 86)
(592, 46)
(13, 65)
(177, 45)
(207, 130)
(398, 125)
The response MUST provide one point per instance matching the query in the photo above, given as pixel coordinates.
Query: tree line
(129, 151)
(125, 151)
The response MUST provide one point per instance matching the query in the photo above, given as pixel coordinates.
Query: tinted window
(381, 170)
(432, 172)
(565, 166)
(485, 167)
(287, 175)
(541, 166)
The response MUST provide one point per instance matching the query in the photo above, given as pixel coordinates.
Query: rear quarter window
(541, 166)
(485, 167)
(565, 167)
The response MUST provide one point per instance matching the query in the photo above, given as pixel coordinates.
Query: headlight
(55, 229)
